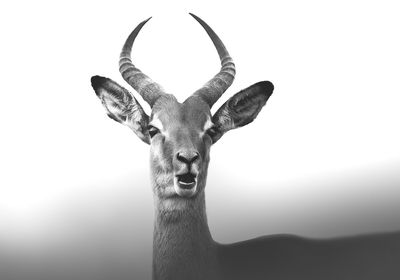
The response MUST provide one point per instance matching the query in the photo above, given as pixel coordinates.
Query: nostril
(180, 157)
(187, 157)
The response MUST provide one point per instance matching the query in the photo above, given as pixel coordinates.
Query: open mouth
(186, 181)
(185, 185)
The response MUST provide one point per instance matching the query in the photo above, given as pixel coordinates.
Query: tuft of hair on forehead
(193, 110)
(164, 101)
(197, 104)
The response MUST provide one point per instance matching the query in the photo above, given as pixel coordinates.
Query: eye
(153, 131)
(212, 131)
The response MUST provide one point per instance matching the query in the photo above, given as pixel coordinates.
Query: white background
(322, 159)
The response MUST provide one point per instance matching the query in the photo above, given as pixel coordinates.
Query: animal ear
(121, 106)
(240, 109)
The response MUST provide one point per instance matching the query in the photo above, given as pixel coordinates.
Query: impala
(180, 136)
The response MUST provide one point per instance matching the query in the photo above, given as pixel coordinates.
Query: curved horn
(149, 90)
(215, 87)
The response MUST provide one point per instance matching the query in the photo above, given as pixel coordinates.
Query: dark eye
(153, 131)
(212, 131)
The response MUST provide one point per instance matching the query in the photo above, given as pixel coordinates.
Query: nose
(187, 157)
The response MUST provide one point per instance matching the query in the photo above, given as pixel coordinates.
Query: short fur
(183, 248)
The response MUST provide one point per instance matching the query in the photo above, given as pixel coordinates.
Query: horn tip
(193, 15)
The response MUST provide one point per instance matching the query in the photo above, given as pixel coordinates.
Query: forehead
(194, 112)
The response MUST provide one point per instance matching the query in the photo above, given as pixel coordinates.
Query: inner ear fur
(121, 106)
(242, 108)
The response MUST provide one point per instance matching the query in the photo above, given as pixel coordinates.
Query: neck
(182, 244)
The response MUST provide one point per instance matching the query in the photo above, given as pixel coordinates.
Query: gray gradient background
(321, 160)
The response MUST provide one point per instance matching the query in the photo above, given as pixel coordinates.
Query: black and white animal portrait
(238, 141)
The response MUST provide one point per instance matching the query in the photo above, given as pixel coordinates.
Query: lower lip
(185, 190)
(186, 186)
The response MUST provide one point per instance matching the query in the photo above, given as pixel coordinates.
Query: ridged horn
(215, 87)
(146, 87)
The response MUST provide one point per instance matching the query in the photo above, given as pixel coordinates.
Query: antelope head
(180, 134)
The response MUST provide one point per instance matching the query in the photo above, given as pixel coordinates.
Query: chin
(179, 200)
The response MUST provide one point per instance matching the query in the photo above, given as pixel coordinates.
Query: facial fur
(180, 134)
(179, 148)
